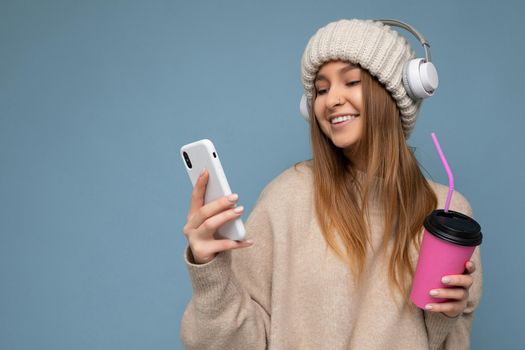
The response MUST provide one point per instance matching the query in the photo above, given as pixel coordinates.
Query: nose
(334, 98)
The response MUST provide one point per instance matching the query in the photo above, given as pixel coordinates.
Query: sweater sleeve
(454, 333)
(230, 305)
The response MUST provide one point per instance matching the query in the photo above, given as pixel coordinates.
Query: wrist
(196, 260)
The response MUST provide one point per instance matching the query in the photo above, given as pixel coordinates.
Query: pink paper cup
(448, 242)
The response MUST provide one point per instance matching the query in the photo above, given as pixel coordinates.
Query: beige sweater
(290, 291)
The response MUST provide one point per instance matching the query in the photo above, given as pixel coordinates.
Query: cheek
(323, 124)
(317, 109)
(359, 100)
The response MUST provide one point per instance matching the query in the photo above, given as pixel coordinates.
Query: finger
(470, 267)
(451, 309)
(212, 208)
(199, 190)
(205, 251)
(212, 224)
(450, 293)
(464, 281)
(220, 245)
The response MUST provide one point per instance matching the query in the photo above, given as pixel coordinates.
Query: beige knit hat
(375, 47)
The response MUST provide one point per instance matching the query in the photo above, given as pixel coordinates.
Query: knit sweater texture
(290, 291)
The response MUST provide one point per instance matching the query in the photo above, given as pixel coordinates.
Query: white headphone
(420, 77)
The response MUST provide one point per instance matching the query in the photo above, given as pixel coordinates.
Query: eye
(352, 83)
(321, 92)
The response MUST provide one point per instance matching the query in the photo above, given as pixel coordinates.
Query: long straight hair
(392, 176)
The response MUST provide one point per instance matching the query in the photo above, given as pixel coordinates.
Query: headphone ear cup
(420, 78)
(303, 107)
(429, 77)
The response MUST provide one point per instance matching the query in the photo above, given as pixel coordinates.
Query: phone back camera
(187, 159)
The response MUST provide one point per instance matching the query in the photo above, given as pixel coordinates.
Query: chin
(344, 143)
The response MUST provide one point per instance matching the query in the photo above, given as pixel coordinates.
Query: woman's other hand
(458, 293)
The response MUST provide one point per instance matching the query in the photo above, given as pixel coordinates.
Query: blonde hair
(393, 176)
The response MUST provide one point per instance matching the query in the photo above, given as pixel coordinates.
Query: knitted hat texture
(375, 47)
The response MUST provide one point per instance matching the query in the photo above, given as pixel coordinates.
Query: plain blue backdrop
(96, 98)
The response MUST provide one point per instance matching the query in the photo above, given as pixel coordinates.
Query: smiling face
(338, 103)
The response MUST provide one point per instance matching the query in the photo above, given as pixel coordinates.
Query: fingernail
(233, 197)
(238, 209)
(428, 307)
(470, 264)
(434, 292)
(202, 172)
(249, 241)
(445, 280)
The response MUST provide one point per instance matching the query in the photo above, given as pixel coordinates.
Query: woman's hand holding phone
(205, 219)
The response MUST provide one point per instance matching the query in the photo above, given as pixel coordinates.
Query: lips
(342, 119)
(337, 117)
(339, 123)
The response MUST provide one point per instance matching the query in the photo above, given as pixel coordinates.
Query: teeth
(342, 119)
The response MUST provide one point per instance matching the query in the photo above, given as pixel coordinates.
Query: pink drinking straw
(447, 169)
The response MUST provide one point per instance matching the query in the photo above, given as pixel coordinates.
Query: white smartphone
(202, 154)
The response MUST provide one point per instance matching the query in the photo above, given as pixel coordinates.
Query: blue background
(97, 97)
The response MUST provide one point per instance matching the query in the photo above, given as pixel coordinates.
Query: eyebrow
(343, 70)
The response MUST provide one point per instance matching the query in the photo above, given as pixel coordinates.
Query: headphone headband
(408, 27)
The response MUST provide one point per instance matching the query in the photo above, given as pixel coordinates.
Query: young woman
(336, 238)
